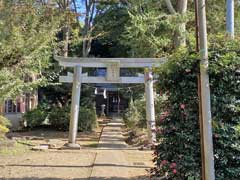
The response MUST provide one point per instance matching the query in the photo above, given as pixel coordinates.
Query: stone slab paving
(110, 162)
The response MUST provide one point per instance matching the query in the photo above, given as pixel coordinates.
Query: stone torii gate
(113, 66)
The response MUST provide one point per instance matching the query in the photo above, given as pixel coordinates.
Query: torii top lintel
(103, 62)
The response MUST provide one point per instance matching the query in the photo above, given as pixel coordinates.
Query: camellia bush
(178, 154)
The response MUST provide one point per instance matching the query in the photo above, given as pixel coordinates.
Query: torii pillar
(150, 109)
(76, 93)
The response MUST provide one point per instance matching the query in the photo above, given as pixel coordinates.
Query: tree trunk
(170, 6)
(66, 29)
(64, 5)
(87, 40)
(180, 32)
(65, 39)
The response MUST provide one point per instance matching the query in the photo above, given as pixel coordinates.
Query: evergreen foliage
(59, 118)
(36, 117)
(27, 33)
(148, 34)
(178, 125)
(132, 116)
(110, 23)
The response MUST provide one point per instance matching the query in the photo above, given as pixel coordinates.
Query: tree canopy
(28, 35)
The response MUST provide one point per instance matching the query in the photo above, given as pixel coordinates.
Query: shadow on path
(75, 166)
(97, 178)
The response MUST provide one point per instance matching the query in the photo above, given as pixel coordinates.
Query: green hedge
(178, 152)
(132, 115)
(135, 115)
(35, 117)
(59, 118)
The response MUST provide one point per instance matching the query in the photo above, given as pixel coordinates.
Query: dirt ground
(22, 163)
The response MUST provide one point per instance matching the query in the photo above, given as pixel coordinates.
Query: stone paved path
(110, 162)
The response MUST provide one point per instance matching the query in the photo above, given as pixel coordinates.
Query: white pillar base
(71, 146)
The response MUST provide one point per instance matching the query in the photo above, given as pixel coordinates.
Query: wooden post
(76, 92)
(199, 91)
(22, 104)
(206, 136)
(107, 103)
(2, 108)
(150, 110)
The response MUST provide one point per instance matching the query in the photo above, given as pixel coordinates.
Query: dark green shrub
(87, 119)
(132, 116)
(135, 115)
(141, 108)
(59, 118)
(35, 117)
(178, 152)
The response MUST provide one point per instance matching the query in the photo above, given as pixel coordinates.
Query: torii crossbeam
(113, 66)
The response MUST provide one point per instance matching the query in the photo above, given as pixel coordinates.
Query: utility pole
(199, 91)
(206, 118)
(230, 18)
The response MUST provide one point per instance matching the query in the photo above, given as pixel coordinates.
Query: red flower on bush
(215, 136)
(161, 119)
(158, 130)
(173, 165)
(163, 116)
(174, 171)
(166, 113)
(164, 162)
(182, 106)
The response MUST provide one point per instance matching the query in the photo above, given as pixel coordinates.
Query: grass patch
(91, 145)
(16, 149)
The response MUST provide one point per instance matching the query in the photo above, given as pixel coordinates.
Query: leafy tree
(149, 30)
(156, 28)
(110, 23)
(27, 33)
